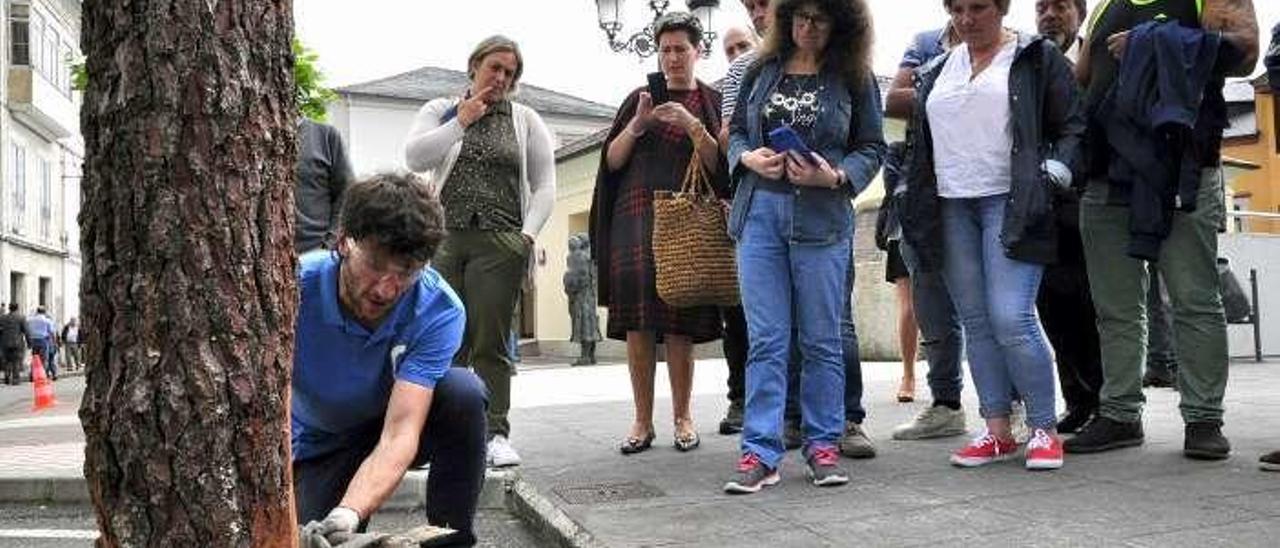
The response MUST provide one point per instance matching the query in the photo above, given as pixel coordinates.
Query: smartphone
(657, 88)
(784, 139)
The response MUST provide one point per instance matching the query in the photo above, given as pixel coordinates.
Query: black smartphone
(657, 88)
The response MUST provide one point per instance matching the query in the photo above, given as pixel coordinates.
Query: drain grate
(592, 493)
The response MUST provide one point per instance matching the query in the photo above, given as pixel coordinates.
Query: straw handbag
(692, 252)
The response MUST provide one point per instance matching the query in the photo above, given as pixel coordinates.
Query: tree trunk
(189, 292)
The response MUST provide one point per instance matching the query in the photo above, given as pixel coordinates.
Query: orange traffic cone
(44, 388)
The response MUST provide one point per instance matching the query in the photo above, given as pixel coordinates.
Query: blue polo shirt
(343, 373)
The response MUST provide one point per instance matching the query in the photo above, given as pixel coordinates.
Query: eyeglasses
(814, 19)
(381, 268)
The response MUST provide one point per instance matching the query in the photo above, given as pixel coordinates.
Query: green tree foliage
(313, 96)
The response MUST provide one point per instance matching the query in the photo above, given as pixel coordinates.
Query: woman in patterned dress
(647, 150)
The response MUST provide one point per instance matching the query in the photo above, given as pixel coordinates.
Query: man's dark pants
(13, 364)
(1162, 356)
(453, 441)
(1066, 309)
(734, 345)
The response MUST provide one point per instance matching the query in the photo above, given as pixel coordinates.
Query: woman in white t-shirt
(995, 131)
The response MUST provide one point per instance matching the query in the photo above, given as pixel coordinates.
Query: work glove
(333, 531)
(1058, 173)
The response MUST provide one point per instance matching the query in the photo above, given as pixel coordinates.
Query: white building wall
(36, 254)
(374, 130)
(375, 134)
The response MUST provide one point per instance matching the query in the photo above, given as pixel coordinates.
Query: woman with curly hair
(792, 217)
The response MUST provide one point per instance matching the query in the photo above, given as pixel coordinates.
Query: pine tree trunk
(188, 290)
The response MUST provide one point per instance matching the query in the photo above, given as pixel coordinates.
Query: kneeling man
(373, 390)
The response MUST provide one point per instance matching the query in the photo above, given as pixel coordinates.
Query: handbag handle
(695, 176)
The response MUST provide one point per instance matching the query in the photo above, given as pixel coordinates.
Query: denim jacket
(849, 135)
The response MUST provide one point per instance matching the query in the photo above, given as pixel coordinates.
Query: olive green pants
(486, 268)
(1119, 283)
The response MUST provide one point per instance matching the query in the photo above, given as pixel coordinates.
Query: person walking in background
(1130, 219)
(71, 339)
(792, 218)
(324, 171)
(493, 161)
(935, 315)
(979, 205)
(43, 335)
(648, 150)
(1064, 302)
(14, 339)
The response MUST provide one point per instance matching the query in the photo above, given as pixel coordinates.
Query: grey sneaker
(1018, 422)
(936, 421)
(855, 443)
(751, 476)
(824, 466)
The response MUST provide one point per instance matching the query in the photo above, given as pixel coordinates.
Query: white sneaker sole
(1269, 467)
(829, 481)
(974, 462)
(736, 488)
(1044, 464)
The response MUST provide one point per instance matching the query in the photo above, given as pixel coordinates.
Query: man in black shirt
(324, 171)
(13, 343)
(1185, 257)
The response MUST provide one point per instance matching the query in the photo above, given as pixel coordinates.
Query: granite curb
(503, 490)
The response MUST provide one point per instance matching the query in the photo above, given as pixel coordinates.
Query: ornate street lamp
(642, 42)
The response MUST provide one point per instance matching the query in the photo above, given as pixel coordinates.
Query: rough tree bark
(188, 291)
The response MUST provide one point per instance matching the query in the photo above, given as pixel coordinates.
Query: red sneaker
(1044, 451)
(985, 449)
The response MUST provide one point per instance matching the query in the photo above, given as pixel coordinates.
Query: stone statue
(580, 286)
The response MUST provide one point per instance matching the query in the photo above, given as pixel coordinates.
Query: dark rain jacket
(1046, 122)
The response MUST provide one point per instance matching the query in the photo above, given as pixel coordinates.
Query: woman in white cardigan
(493, 162)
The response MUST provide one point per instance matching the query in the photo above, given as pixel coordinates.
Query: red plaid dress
(658, 162)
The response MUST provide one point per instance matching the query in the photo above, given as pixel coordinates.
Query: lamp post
(642, 42)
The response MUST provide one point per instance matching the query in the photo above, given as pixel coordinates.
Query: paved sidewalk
(909, 495)
(567, 423)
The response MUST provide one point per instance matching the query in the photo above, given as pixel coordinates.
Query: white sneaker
(936, 421)
(1018, 422)
(500, 453)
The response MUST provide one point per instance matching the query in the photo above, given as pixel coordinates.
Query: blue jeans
(788, 285)
(44, 348)
(996, 299)
(853, 410)
(940, 333)
(453, 441)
